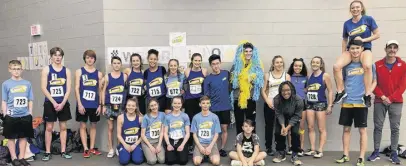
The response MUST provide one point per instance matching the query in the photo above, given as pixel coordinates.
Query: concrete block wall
(291, 28)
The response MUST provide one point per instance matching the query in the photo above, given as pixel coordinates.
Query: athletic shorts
(112, 113)
(90, 114)
(50, 115)
(317, 106)
(224, 117)
(357, 115)
(214, 151)
(18, 127)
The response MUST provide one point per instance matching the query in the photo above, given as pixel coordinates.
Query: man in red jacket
(391, 72)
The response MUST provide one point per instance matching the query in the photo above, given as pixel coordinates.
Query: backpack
(387, 151)
(4, 156)
(39, 134)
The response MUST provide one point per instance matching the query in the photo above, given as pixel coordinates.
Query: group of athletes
(163, 116)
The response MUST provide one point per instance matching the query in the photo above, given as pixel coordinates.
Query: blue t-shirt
(17, 94)
(174, 84)
(153, 125)
(354, 82)
(176, 125)
(300, 83)
(390, 66)
(205, 127)
(217, 87)
(362, 28)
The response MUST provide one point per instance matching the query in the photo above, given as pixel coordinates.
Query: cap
(392, 42)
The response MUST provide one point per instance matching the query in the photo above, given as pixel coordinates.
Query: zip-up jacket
(391, 83)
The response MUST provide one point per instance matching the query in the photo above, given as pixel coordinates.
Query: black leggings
(280, 140)
(175, 156)
(242, 114)
(269, 115)
(192, 108)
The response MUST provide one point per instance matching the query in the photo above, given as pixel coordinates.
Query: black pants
(242, 114)
(280, 140)
(192, 108)
(269, 125)
(175, 156)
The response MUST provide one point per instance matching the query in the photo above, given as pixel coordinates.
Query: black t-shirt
(247, 144)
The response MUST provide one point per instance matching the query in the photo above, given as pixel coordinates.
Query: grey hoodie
(290, 109)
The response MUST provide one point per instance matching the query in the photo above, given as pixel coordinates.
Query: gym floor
(327, 160)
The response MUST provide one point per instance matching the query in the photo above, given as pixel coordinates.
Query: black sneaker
(270, 152)
(340, 97)
(16, 162)
(367, 100)
(191, 150)
(24, 162)
(46, 157)
(223, 153)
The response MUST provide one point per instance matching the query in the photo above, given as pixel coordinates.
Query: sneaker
(86, 154)
(367, 100)
(318, 154)
(394, 158)
(46, 157)
(360, 162)
(30, 159)
(343, 159)
(223, 153)
(66, 155)
(280, 157)
(289, 152)
(16, 162)
(24, 162)
(374, 156)
(95, 151)
(270, 152)
(261, 163)
(340, 96)
(191, 150)
(295, 160)
(309, 152)
(236, 163)
(117, 153)
(110, 154)
(301, 153)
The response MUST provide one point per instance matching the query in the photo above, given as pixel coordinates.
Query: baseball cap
(390, 42)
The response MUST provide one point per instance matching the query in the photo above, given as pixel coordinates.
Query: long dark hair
(303, 72)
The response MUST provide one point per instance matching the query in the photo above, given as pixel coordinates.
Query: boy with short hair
(17, 106)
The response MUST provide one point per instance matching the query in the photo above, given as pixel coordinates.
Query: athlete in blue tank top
(135, 85)
(129, 134)
(56, 86)
(87, 91)
(154, 79)
(113, 97)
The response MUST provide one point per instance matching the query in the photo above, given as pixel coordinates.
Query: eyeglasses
(15, 69)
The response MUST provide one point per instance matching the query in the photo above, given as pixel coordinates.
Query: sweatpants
(395, 113)
(153, 158)
(269, 125)
(175, 156)
(242, 114)
(136, 156)
(280, 140)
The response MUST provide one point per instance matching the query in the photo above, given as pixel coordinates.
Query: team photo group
(163, 115)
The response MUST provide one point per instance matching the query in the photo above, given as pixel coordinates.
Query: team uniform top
(135, 83)
(131, 130)
(363, 28)
(155, 82)
(174, 84)
(56, 84)
(217, 87)
(316, 91)
(153, 125)
(115, 90)
(300, 83)
(17, 94)
(205, 127)
(195, 85)
(89, 88)
(176, 125)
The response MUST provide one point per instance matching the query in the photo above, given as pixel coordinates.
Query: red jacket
(391, 83)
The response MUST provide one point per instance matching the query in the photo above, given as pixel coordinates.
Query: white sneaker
(261, 163)
(318, 154)
(117, 153)
(236, 163)
(110, 154)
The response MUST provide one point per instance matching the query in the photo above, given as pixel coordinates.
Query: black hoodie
(291, 108)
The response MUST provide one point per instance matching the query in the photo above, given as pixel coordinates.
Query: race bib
(312, 96)
(56, 91)
(154, 133)
(176, 134)
(195, 89)
(131, 139)
(205, 133)
(173, 91)
(135, 90)
(89, 95)
(155, 91)
(20, 102)
(116, 99)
